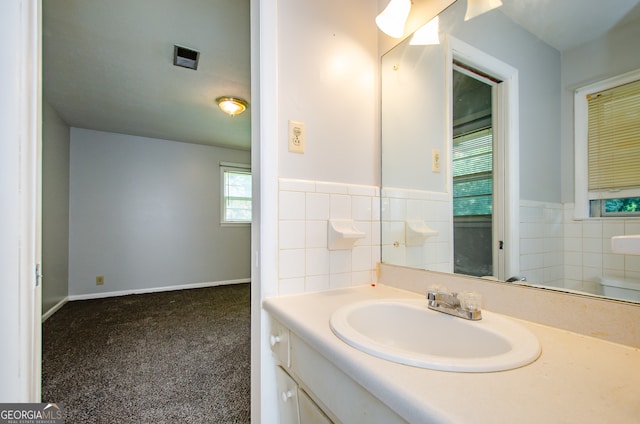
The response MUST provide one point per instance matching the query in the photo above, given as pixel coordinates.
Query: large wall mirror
(477, 142)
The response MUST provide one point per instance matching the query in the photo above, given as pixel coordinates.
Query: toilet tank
(621, 288)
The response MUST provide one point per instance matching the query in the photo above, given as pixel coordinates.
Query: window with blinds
(613, 148)
(473, 173)
(614, 138)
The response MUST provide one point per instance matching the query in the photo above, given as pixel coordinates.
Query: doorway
(170, 198)
(496, 185)
(472, 172)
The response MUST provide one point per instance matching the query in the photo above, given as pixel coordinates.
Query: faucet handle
(471, 301)
(437, 288)
(433, 291)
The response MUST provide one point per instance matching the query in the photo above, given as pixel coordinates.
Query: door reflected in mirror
(472, 173)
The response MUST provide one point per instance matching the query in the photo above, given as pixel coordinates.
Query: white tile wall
(557, 250)
(541, 243)
(305, 262)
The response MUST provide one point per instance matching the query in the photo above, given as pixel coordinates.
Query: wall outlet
(99, 280)
(297, 137)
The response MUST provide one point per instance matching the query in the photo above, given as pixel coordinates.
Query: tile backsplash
(555, 249)
(305, 262)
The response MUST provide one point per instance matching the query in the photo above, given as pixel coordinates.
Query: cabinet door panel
(287, 398)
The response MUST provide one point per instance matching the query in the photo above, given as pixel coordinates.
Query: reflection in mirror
(441, 213)
(472, 173)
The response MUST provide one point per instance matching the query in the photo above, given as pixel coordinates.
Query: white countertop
(576, 379)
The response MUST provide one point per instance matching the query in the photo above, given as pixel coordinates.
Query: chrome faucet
(467, 306)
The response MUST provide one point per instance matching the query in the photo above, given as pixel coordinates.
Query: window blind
(614, 138)
(473, 173)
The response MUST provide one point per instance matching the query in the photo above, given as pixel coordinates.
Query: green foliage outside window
(629, 204)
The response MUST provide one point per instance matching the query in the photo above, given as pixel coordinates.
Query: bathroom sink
(406, 332)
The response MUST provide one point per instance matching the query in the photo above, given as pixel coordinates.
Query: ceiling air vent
(185, 57)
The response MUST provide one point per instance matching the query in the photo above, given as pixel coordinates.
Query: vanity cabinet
(313, 390)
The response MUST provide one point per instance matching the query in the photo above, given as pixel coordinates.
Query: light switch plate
(435, 160)
(297, 136)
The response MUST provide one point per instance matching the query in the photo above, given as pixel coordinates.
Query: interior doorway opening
(472, 172)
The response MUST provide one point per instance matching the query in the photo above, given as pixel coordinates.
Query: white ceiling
(568, 23)
(108, 65)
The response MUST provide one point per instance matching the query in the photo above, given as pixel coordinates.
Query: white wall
(55, 208)
(414, 109)
(145, 213)
(327, 78)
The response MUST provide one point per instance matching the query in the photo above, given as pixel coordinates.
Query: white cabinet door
(287, 398)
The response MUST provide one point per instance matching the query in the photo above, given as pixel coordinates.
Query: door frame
(506, 154)
(20, 79)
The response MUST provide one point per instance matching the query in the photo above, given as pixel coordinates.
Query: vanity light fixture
(393, 18)
(478, 7)
(231, 105)
(427, 35)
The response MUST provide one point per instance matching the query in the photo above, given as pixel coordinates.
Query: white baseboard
(54, 309)
(156, 289)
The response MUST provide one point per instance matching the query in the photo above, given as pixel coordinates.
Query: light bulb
(231, 105)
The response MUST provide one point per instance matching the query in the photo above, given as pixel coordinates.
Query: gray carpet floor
(171, 357)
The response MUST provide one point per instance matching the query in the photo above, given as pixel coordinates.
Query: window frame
(582, 196)
(237, 168)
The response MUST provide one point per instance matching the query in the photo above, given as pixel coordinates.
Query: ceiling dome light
(232, 105)
(394, 17)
